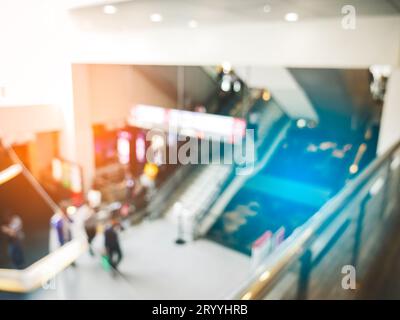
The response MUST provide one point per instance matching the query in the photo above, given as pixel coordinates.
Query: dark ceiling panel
(338, 96)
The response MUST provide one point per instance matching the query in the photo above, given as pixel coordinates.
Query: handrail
(294, 245)
(14, 157)
(164, 192)
(10, 173)
(223, 200)
(39, 273)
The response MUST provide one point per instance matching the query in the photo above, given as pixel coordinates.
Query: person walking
(14, 233)
(112, 244)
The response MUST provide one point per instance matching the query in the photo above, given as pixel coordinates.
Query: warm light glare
(151, 170)
(109, 9)
(193, 24)
(266, 95)
(265, 276)
(226, 66)
(10, 173)
(291, 17)
(156, 17)
(247, 296)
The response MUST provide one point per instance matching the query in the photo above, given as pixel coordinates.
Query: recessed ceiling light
(291, 17)
(109, 9)
(156, 17)
(193, 24)
(267, 8)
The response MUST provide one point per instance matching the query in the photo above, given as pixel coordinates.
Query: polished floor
(154, 267)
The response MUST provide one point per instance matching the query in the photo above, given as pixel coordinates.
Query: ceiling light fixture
(156, 17)
(291, 17)
(109, 9)
(267, 8)
(193, 24)
(226, 66)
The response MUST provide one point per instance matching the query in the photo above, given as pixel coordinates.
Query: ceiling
(210, 12)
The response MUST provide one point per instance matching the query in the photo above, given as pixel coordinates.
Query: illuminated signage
(57, 170)
(140, 148)
(123, 147)
(194, 124)
(68, 174)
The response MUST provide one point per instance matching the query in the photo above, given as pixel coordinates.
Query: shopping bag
(105, 262)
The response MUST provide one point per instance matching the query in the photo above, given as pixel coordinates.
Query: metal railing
(32, 180)
(347, 230)
(39, 273)
(44, 269)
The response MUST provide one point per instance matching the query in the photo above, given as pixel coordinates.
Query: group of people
(13, 232)
(112, 253)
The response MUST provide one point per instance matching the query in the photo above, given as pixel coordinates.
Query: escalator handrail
(291, 249)
(235, 184)
(39, 273)
(36, 185)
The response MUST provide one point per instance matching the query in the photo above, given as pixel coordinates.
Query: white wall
(22, 122)
(83, 133)
(390, 123)
(35, 64)
(116, 88)
(33, 52)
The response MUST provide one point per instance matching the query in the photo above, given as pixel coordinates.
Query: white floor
(154, 267)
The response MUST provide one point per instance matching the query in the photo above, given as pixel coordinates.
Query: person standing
(91, 229)
(14, 233)
(62, 225)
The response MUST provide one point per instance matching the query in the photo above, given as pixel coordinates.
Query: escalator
(311, 164)
(285, 193)
(22, 195)
(202, 87)
(271, 129)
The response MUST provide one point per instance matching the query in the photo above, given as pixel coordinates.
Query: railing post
(386, 188)
(358, 234)
(305, 269)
